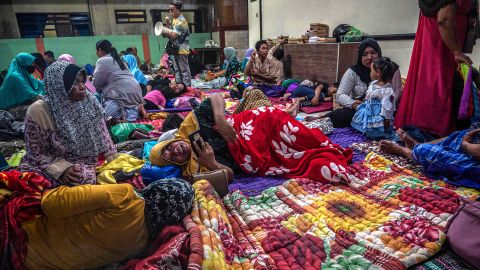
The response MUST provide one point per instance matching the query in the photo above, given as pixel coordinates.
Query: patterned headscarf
(167, 201)
(77, 122)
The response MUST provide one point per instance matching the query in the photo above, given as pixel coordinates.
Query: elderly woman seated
(456, 157)
(19, 86)
(93, 226)
(65, 133)
(261, 140)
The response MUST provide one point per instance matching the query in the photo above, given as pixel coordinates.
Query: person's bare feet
(409, 141)
(292, 108)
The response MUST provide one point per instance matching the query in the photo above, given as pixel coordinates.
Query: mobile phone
(193, 102)
(195, 137)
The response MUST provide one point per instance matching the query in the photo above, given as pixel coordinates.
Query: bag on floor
(218, 179)
(462, 232)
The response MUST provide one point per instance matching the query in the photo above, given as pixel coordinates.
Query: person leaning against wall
(179, 36)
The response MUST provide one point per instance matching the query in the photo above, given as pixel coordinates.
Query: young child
(311, 95)
(374, 117)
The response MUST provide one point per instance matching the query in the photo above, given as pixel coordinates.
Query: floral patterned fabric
(387, 218)
(271, 142)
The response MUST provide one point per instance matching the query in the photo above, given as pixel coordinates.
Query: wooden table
(325, 62)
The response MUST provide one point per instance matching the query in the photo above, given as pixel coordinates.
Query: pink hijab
(68, 58)
(71, 60)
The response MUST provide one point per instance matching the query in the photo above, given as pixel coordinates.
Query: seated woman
(262, 141)
(19, 86)
(70, 59)
(66, 132)
(263, 67)
(136, 72)
(456, 157)
(93, 226)
(355, 81)
(122, 95)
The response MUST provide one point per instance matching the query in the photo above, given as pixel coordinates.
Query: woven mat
(389, 217)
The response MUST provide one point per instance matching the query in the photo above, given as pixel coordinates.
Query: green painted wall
(83, 48)
(9, 48)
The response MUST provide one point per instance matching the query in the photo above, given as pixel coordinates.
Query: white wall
(253, 22)
(375, 17)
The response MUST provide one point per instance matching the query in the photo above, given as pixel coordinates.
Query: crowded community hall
(240, 135)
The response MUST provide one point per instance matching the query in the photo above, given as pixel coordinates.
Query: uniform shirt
(180, 27)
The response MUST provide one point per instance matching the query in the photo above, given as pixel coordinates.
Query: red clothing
(271, 142)
(427, 98)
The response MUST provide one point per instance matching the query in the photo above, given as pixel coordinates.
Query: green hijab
(19, 86)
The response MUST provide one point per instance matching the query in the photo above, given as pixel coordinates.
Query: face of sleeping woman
(177, 87)
(177, 151)
(368, 55)
(78, 91)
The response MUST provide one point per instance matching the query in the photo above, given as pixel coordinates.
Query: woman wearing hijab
(93, 226)
(355, 81)
(121, 93)
(262, 141)
(248, 54)
(136, 72)
(70, 59)
(40, 66)
(19, 86)
(65, 133)
(231, 64)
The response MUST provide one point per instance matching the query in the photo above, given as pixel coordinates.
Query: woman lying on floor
(262, 141)
(158, 99)
(65, 133)
(456, 157)
(93, 226)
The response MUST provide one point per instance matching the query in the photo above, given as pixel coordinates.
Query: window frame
(55, 19)
(117, 17)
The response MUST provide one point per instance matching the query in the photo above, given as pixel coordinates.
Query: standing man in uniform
(179, 36)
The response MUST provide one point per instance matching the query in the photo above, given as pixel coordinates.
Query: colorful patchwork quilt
(389, 217)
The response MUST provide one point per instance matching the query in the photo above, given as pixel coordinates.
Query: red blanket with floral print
(271, 142)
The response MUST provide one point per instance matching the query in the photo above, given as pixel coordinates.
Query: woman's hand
(355, 104)
(71, 175)
(468, 146)
(206, 156)
(315, 100)
(463, 59)
(226, 131)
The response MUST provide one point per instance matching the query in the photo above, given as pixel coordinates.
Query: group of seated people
(66, 135)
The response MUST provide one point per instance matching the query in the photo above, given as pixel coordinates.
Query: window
(34, 25)
(193, 17)
(130, 15)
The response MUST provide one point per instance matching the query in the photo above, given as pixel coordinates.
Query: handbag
(172, 48)
(462, 232)
(218, 179)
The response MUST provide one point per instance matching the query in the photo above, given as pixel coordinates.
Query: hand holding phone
(195, 138)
